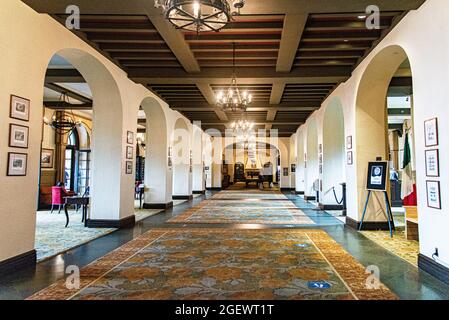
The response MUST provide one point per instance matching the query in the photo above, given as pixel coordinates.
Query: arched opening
(249, 162)
(158, 157)
(311, 162)
(385, 130)
(334, 164)
(67, 166)
(182, 161)
(300, 169)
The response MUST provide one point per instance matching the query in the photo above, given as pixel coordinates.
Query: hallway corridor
(235, 244)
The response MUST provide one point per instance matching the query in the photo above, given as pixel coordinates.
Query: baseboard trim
(199, 192)
(24, 260)
(367, 225)
(299, 192)
(309, 198)
(214, 189)
(127, 222)
(433, 268)
(164, 206)
(183, 197)
(330, 206)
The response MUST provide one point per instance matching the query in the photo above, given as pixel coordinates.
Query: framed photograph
(17, 164)
(129, 167)
(130, 137)
(433, 194)
(431, 132)
(285, 172)
(18, 136)
(293, 169)
(377, 176)
(320, 148)
(320, 158)
(20, 108)
(349, 142)
(350, 159)
(47, 156)
(432, 163)
(321, 169)
(129, 152)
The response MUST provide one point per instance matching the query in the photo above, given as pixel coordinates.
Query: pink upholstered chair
(57, 199)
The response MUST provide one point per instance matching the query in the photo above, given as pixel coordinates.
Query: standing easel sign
(377, 182)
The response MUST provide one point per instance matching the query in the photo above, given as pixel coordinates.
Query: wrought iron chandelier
(232, 100)
(64, 122)
(198, 15)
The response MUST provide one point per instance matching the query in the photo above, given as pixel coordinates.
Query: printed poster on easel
(377, 176)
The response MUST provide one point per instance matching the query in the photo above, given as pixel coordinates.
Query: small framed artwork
(350, 159)
(432, 163)
(20, 108)
(431, 132)
(130, 137)
(47, 156)
(129, 167)
(433, 194)
(293, 169)
(17, 164)
(349, 142)
(320, 148)
(321, 169)
(129, 152)
(320, 158)
(18, 136)
(285, 172)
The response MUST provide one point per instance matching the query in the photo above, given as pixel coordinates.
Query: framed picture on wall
(432, 163)
(47, 158)
(321, 169)
(320, 148)
(17, 164)
(129, 152)
(129, 167)
(293, 169)
(130, 137)
(349, 143)
(431, 132)
(20, 108)
(320, 158)
(350, 159)
(285, 172)
(433, 194)
(18, 136)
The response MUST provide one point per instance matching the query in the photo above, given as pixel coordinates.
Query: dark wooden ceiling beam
(56, 105)
(68, 92)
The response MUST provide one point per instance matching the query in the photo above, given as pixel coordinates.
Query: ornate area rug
(239, 195)
(398, 245)
(260, 212)
(205, 264)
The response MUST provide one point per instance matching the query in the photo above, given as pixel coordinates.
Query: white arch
(300, 169)
(371, 114)
(334, 164)
(158, 170)
(312, 166)
(182, 158)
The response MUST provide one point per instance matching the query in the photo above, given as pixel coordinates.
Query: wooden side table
(79, 201)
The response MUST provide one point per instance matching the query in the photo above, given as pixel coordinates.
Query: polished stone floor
(401, 277)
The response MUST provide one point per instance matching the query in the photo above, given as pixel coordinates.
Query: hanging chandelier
(61, 121)
(198, 15)
(232, 100)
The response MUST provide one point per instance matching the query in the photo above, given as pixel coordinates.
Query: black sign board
(377, 176)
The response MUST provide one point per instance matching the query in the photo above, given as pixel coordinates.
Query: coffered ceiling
(290, 54)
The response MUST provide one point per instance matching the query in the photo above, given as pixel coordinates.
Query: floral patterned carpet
(398, 245)
(223, 264)
(244, 211)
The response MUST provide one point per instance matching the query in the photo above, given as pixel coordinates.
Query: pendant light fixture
(62, 121)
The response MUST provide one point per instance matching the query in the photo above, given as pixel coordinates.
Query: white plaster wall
(300, 151)
(293, 160)
(28, 41)
(198, 177)
(423, 36)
